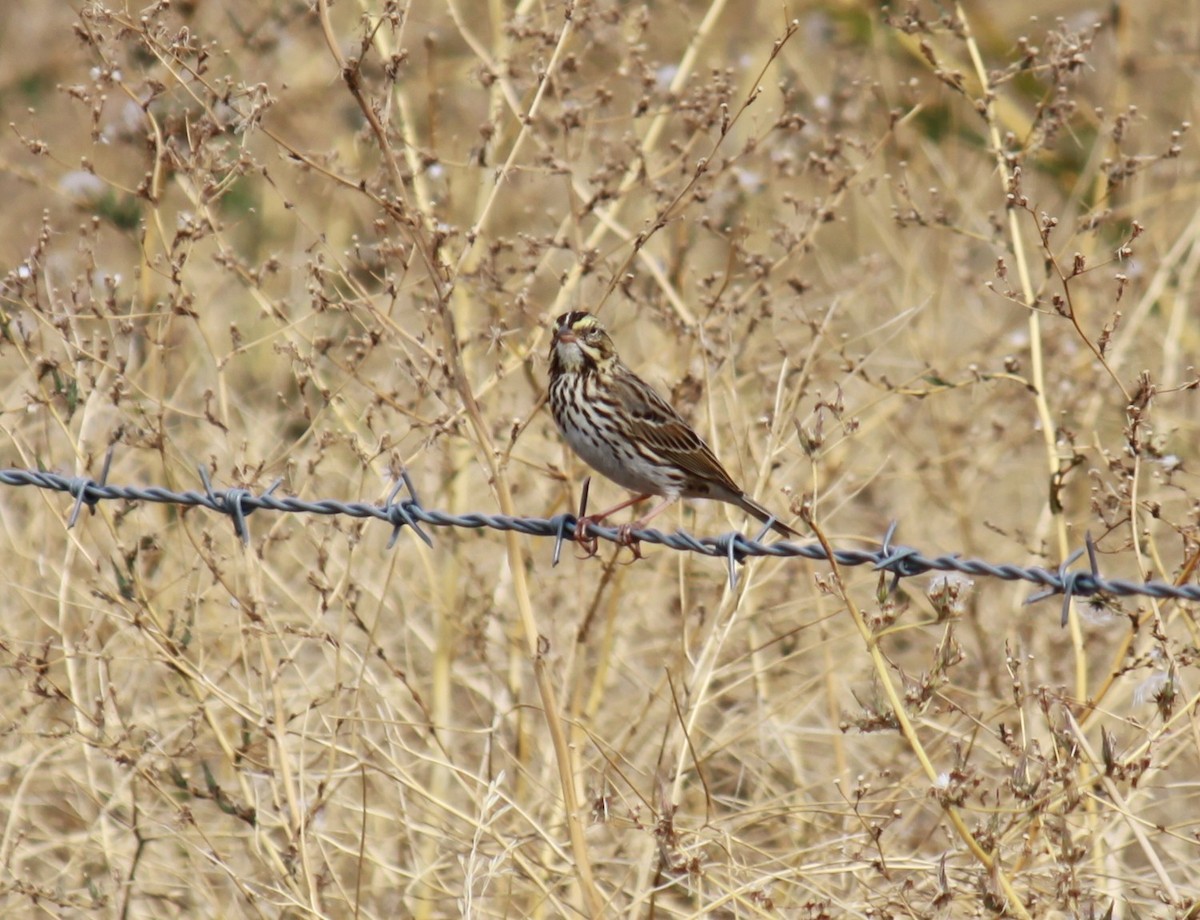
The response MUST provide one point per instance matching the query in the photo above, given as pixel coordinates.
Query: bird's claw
(625, 537)
(586, 541)
(589, 543)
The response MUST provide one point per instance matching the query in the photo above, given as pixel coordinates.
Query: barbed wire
(734, 547)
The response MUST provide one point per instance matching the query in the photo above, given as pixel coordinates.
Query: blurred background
(928, 264)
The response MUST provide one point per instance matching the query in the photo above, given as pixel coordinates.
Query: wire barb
(83, 488)
(734, 554)
(399, 515)
(231, 502)
(1074, 584)
(901, 561)
(566, 523)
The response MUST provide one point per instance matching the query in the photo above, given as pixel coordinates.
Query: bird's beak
(564, 334)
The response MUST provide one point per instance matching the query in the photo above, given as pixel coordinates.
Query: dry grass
(939, 268)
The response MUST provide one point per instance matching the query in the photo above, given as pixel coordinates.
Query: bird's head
(579, 344)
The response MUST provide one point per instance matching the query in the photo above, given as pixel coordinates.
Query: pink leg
(597, 518)
(625, 531)
(581, 525)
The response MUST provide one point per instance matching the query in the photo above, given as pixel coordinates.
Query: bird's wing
(655, 423)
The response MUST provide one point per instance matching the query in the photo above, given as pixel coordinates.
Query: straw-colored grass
(936, 265)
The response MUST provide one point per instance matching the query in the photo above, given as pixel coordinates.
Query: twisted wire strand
(734, 547)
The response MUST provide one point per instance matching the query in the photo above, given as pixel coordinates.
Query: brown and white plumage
(623, 429)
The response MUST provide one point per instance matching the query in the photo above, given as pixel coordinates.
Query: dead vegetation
(932, 265)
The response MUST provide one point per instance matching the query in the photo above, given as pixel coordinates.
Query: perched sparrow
(623, 429)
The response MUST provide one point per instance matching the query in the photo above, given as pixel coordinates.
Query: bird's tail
(750, 506)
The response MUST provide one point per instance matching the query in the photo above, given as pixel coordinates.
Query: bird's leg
(625, 531)
(581, 524)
